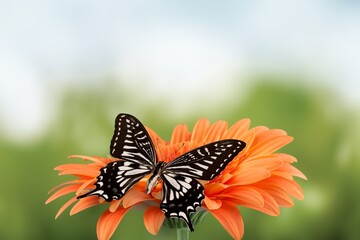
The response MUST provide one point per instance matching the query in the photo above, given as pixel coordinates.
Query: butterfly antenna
(171, 156)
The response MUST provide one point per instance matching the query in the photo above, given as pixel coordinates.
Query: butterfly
(182, 194)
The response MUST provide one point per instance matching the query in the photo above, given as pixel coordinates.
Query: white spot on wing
(135, 172)
(124, 182)
(172, 181)
(171, 197)
(202, 165)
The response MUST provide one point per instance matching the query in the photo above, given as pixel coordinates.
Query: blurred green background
(326, 136)
(67, 68)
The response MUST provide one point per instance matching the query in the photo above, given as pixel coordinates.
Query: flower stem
(182, 233)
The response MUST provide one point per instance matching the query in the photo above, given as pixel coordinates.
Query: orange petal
(269, 141)
(86, 170)
(214, 188)
(230, 218)
(84, 203)
(285, 157)
(153, 219)
(114, 205)
(244, 195)
(135, 196)
(65, 206)
(212, 204)
(270, 205)
(288, 171)
(66, 183)
(237, 130)
(108, 223)
(180, 134)
(63, 191)
(289, 186)
(248, 137)
(216, 131)
(268, 162)
(249, 176)
(295, 191)
(98, 160)
(200, 129)
(167, 153)
(154, 136)
(279, 195)
(85, 185)
(259, 129)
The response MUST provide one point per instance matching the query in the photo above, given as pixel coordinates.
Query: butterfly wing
(116, 179)
(181, 196)
(131, 141)
(182, 193)
(132, 144)
(206, 162)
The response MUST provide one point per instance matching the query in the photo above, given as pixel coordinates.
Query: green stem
(182, 233)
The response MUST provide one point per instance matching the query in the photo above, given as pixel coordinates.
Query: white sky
(195, 47)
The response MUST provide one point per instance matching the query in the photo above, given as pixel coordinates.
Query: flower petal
(289, 186)
(243, 195)
(153, 219)
(200, 129)
(63, 191)
(167, 153)
(216, 131)
(154, 136)
(214, 188)
(135, 196)
(65, 206)
(85, 185)
(268, 162)
(285, 157)
(114, 205)
(180, 134)
(279, 195)
(230, 218)
(99, 160)
(249, 176)
(84, 203)
(89, 170)
(270, 205)
(108, 223)
(288, 171)
(237, 130)
(269, 141)
(212, 204)
(66, 183)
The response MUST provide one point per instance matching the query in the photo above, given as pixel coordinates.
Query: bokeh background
(67, 68)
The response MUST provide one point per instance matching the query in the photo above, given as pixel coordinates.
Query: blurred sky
(155, 47)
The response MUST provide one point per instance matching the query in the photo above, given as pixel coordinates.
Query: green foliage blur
(326, 134)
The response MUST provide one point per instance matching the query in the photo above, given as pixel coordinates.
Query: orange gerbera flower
(257, 178)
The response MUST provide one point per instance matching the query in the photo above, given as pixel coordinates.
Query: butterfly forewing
(208, 161)
(131, 144)
(131, 141)
(116, 179)
(181, 196)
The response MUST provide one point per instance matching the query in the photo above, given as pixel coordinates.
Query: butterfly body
(154, 178)
(182, 194)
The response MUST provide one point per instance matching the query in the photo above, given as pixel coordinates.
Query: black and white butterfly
(182, 194)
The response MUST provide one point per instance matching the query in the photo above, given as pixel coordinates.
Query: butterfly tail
(95, 192)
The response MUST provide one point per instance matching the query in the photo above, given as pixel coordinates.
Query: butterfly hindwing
(131, 141)
(181, 196)
(206, 162)
(116, 179)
